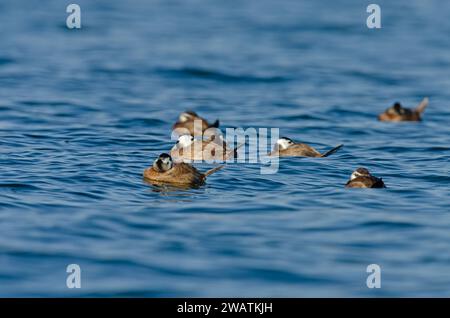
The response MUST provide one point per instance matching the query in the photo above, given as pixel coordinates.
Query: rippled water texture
(83, 112)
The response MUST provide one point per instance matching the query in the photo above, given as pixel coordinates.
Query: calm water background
(83, 112)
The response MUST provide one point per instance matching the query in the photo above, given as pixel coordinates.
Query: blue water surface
(83, 112)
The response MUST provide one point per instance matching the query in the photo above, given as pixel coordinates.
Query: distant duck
(285, 147)
(398, 113)
(361, 178)
(188, 149)
(165, 171)
(186, 121)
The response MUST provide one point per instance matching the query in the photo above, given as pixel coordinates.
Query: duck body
(285, 147)
(165, 171)
(297, 150)
(361, 178)
(191, 123)
(398, 113)
(181, 173)
(188, 149)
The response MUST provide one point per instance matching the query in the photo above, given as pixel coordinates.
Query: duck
(286, 147)
(188, 149)
(398, 113)
(165, 171)
(191, 123)
(361, 178)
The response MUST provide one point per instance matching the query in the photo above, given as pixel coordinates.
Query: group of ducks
(175, 168)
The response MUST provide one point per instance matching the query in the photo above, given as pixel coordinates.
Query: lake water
(83, 112)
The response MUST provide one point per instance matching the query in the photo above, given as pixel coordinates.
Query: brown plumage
(190, 123)
(361, 178)
(398, 113)
(188, 149)
(285, 147)
(165, 171)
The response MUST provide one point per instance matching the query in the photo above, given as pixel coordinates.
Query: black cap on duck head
(360, 172)
(163, 163)
(283, 143)
(396, 108)
(287, 139)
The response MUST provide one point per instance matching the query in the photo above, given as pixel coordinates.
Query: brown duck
(187, 149)
(399, 113)
(361, 178)
(285, 147)
(165, 171)
(190, 122)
